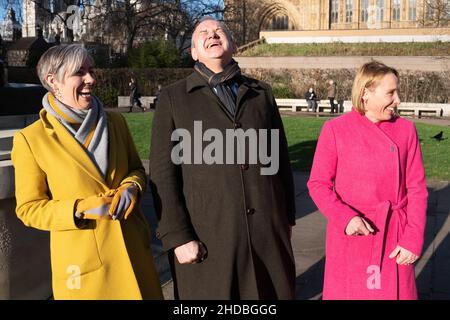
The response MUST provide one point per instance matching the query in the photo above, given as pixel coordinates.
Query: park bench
(295, 105)
(419, 109)
(323, 106)
(124, 101)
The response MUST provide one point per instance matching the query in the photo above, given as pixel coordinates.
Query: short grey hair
(61, 60)
(222, 24)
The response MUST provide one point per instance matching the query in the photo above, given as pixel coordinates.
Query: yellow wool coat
(102, 259)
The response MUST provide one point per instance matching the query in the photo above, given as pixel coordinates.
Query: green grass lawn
(350, 49)
(140, 125)
(302, 134)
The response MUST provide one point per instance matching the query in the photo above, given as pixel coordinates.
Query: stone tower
(31, 14)
(10, 29)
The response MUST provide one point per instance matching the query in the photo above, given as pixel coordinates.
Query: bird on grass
(439, 136)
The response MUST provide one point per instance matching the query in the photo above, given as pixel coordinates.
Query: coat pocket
(74, 252)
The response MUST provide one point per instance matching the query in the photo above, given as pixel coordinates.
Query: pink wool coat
(375, 171)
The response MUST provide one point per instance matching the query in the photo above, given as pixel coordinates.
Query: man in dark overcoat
(221, 179)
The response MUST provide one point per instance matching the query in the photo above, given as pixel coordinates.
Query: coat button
(392, 148)
(237, 125)
(250, 211)
(244, 167)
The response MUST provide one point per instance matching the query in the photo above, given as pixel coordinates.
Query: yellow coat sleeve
(34, 204)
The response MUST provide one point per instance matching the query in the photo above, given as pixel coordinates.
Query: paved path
(308, 241)
(425, 63)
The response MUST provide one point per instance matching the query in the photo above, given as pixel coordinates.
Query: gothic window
(412, 10)
(334, 11)
(396, 10)
(380, 10)
(280, 23)
(364, 10)
(348, 10)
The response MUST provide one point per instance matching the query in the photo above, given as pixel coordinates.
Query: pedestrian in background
(135, 95)
(332, 95)
(311, 99)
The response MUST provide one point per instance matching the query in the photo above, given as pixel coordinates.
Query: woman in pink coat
(368, 179)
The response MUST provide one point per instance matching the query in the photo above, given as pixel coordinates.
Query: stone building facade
(247, 18)
(59, 20)
(10, 29)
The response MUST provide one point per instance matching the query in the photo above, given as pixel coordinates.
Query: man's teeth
(390, 109)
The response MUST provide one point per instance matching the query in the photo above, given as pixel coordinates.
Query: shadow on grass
(302, 155)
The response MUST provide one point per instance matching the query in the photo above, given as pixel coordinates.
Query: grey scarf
(93, 131)
(222, 82)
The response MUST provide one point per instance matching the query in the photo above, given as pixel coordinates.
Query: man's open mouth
(215, 44)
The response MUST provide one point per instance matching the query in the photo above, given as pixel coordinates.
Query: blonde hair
(368, 77)
(61, 60)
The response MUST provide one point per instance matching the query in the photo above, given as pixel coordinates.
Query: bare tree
(128, 22)
(180, 23)
(141, 20)
(237, 15)
(436, 13)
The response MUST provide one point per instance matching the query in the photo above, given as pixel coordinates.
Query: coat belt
(381, 213)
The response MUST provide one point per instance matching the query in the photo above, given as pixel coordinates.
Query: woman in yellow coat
(78, 175)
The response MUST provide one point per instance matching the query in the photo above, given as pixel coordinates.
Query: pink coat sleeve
(321, 180)
(417, 194)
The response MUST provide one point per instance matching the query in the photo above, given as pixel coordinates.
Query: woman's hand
(358, 226)
(94, 208)
(125, 198)
(404, 256)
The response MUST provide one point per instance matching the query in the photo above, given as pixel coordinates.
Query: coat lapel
(195, 81)
(67, 142)
(386, 144)
(373, 128)
(244, 89)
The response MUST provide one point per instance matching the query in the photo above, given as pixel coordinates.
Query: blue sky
(2, 14)
(3, 11)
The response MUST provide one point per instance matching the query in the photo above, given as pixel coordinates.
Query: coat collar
(194, 81)
(378, 129)
(363, 119)
(67, 142)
